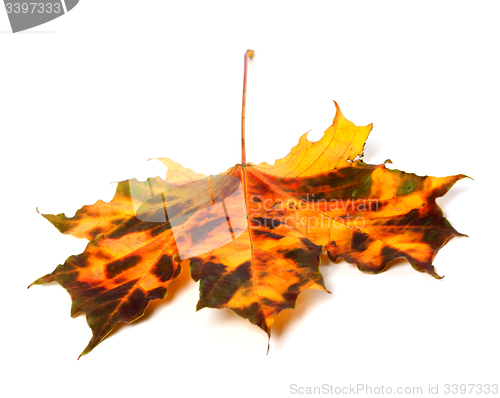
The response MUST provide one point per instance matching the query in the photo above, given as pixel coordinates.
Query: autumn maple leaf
(253, 234)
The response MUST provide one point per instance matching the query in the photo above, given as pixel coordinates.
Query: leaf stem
(248, 54)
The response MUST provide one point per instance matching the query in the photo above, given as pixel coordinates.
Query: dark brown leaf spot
(117, 267)
(360, 241)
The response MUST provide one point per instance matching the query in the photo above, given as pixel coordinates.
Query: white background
(86, 99)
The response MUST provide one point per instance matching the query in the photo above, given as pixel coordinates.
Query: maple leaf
(253, 234)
